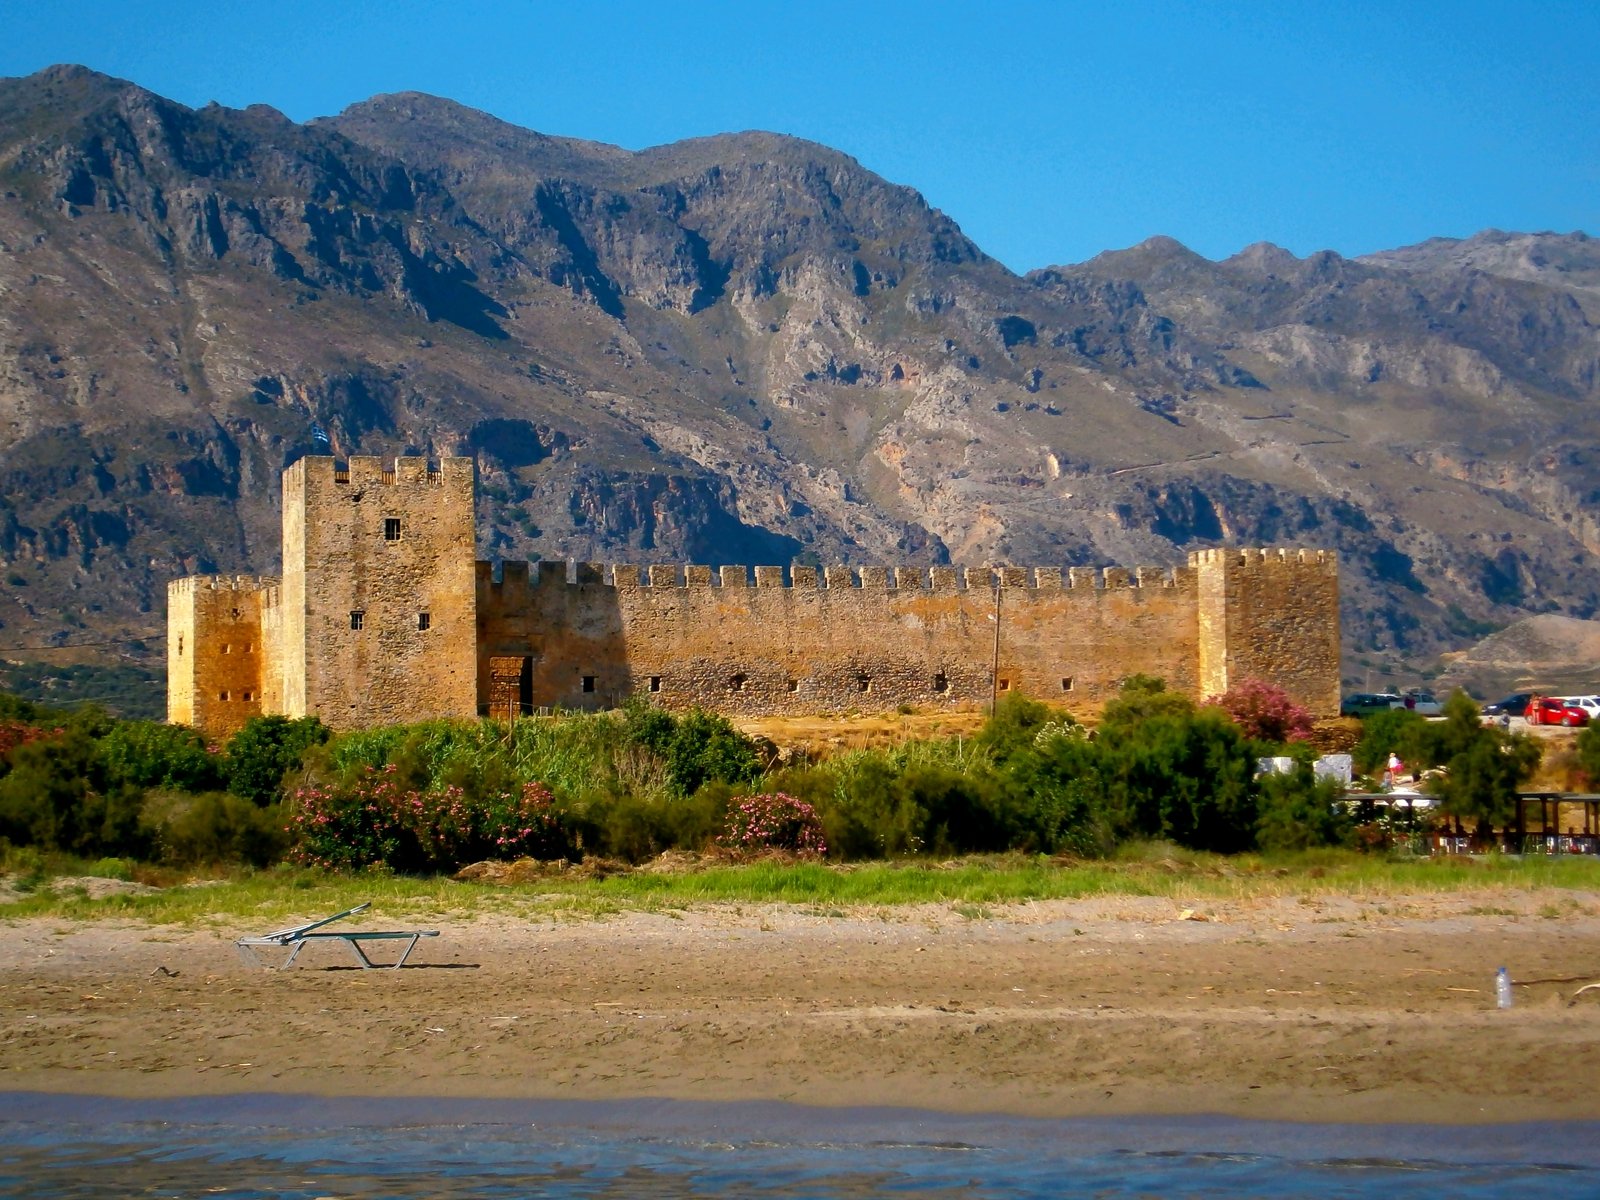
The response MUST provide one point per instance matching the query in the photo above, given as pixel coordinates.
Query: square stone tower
(1272, 615)
(218, 664)
(379, 610)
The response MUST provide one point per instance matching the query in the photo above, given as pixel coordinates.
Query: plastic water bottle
(1502, 988)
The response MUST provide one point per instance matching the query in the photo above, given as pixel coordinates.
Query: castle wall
(1274, 615)
(378, 597)
(828, 641)
(215, 651)
(383, 616)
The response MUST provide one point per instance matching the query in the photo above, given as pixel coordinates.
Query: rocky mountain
(743, 348)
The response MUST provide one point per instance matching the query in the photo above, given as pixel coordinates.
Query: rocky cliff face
(744, 348)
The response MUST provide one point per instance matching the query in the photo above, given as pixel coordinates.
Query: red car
(1552, 710)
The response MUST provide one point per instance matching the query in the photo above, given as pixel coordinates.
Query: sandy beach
(1331, 1009)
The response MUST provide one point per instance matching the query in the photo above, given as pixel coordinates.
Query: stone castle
(383, 614)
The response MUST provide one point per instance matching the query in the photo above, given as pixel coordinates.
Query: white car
(1422, 703)
(1589, 704)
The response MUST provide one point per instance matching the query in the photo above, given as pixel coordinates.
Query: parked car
(1422, 703)
(1553, 710)
(1364, 704)
(1589, 704)
(1512, 706)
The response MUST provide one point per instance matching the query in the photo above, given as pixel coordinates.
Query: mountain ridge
(745, 348)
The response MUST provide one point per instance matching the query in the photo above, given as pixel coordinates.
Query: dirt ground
(1321, 1010)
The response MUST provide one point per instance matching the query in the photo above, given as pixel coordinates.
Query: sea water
(290, 1146)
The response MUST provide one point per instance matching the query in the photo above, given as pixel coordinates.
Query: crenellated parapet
(512, 576)
(189, 585)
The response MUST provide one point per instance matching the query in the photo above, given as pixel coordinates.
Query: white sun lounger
(296, 938)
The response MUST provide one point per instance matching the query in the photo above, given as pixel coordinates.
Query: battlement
(384, 614)
(520, 576)
(1324, 560)
(191, 584)
(362, 470)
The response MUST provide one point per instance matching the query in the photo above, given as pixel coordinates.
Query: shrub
(705, 747)
(211, 828)
(1058, 792)
(1265, 712)
(1297, 811)
(375, 821)
(56, 797)
(1013, 724)
(146, 754)
(774, 821)
(1182, 776)
(265, 750)
(867, 815)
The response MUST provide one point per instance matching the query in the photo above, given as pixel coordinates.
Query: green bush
(146, 754)
(1181, 775)
(212, 828)
(706, 747)
(265, 750)
(1296, 811)
(57, 797)
(1058, 794)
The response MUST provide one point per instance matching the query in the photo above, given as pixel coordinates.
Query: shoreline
(1328, 1010)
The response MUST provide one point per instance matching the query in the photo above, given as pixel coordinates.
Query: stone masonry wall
(1270, 614)
(378, 596)
(831, 640)
(215, 651)
(384, 616)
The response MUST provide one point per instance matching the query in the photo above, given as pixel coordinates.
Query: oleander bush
(774, 821)
(377, 821)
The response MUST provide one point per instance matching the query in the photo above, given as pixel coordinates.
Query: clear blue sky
(1050, 132)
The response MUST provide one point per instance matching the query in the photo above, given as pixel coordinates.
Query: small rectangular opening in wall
(391, 529)
(588, 683)
(245, 696)
(1066, 683)
(1005, 685)
(222, 695)
(357, 618)
(424, 620)
(234, 614)
(737, 683)
(180, 645)
(655, 683)
(863, 683)
(794, 685)
(226, 649)
(941, 682)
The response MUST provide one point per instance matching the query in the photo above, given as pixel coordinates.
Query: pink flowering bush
(1264, 711)
(773, 821)
(374, 821)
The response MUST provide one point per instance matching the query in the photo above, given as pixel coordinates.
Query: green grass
(269, 899)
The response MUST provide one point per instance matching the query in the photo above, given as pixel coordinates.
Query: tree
(1397, 731)
(1482, 765)
(1589, 753)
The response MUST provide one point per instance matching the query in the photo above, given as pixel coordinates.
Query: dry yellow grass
(821, 736)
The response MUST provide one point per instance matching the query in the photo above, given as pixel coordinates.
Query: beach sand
(1333, 1009)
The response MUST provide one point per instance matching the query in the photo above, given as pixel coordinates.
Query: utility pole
(994, 675)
